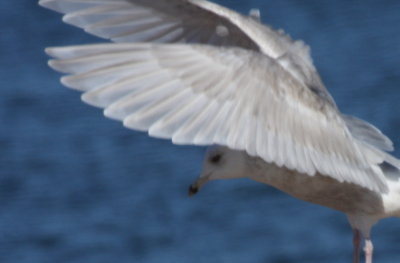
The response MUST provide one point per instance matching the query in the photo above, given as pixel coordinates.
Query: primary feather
(215, 77)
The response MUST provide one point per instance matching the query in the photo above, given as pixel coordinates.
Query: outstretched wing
(169, 21)
(199, 94)
(190, 21)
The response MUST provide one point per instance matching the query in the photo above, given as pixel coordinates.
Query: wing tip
(49, 51)
(73, 19)
(88, 99)
(67, 82)
(180, 139)
(49, 4)
(130, 123)
(53, 52)
(54, 64)
(157, 131)
(45, 3)
(115, 114)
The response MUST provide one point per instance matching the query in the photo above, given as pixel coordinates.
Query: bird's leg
(368, 249)
(356, 245)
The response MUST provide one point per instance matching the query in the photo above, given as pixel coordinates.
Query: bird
(198, 73)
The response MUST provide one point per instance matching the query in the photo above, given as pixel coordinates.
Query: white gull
(198, 73)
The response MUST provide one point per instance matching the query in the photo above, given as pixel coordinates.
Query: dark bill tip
(192, 190)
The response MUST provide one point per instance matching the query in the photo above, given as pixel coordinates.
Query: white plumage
(198, 73)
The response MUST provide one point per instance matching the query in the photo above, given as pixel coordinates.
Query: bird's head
(220, 163)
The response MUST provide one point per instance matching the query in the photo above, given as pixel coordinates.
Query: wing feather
(368, 133)
(257, 91)
(150, 114)
(189, 21)
(200, 119)
(247, 102)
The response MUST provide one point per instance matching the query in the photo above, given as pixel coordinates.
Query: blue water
(76, 187)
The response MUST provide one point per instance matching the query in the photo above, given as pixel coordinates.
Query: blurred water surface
(76, 187)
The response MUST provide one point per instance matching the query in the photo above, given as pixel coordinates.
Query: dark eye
(215, 158)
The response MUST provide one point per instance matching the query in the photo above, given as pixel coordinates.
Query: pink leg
(369, 248)
(356, 245)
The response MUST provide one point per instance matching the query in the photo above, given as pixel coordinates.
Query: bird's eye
(215, 158)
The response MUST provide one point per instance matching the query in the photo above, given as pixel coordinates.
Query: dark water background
(76, 187)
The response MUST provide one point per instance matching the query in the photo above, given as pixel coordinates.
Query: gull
(198, 73)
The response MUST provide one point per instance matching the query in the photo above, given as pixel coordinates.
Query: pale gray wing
(190, 21)
(166, 21)
(172, 21)
(368, 133)
(197, 94)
